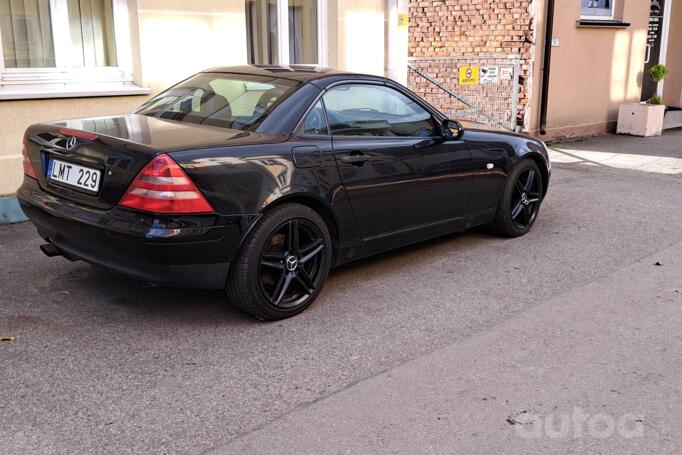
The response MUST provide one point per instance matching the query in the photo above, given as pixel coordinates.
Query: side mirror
(452, 129)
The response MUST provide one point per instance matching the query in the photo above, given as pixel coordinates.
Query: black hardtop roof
(301, 73)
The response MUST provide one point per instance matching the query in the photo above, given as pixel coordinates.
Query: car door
(398, 172)
(446, 180)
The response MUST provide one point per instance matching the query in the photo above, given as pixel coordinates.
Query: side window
(315, 122)
(376, 110)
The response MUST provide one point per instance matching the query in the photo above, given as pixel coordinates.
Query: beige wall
(672, 88)
(593, 70)
(361, 35)
(179, 38)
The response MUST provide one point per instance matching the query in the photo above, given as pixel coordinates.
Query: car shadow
(148, 300)
(424, 246)
(111, 292)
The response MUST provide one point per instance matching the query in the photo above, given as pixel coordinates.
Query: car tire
(282, 265)
(519, 204)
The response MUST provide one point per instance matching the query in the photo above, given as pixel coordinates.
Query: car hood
(494, 134)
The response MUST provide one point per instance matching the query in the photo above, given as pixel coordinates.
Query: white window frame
(63, 80)
(609, 17)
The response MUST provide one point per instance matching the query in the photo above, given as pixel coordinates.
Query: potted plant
(644, 119)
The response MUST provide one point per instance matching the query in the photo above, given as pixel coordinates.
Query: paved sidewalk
(661, 155)
(608, 351)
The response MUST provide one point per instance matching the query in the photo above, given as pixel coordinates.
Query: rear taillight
(28, 166)
(163, 187)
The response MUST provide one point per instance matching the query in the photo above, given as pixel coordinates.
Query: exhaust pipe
(50, 250)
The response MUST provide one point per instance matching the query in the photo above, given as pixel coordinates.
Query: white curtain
(26, 31)
(295, 33)
(91, 23)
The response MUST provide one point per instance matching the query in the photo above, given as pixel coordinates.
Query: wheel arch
(542, 165)
(319, 205)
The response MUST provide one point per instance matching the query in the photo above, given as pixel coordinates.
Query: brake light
(76, 133)
(163, 187)
(28, 166)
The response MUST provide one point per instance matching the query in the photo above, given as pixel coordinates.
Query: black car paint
(405, 190)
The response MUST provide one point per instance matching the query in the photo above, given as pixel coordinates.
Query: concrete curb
(10, 211)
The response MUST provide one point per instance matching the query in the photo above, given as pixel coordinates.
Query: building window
(57, 48)
(262, 44)
(91, 29)
(303, 32)
(597, 9)
(283, 32)
(26, 34)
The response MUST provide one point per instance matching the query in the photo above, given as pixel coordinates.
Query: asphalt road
(594, 370)
(105, 364)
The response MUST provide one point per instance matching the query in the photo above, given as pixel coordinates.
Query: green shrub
(657, 72)
(654, 100)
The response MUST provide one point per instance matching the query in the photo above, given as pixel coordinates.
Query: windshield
(238, 101)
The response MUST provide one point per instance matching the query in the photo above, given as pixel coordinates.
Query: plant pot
(641, 119)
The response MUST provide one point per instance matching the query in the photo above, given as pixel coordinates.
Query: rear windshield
(236, 101)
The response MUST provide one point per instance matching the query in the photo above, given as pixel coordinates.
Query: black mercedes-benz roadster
(260, 179)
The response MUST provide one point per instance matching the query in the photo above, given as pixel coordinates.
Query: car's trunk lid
(117, 148)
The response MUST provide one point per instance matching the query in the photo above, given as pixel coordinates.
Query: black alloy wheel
(526, 198)
(290, 263)
(283, 263)
(520, 200)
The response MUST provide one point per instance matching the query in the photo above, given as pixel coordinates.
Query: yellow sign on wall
(468, 75)
(403, 20)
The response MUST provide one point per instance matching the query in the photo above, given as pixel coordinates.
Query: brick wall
(475, 27)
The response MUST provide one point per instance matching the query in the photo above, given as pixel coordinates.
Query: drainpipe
(546, 61)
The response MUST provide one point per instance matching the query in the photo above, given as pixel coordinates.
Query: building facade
(76, 58)
(599, 52)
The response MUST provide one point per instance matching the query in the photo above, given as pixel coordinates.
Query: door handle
(356, 159)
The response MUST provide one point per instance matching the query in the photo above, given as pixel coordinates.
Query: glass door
(283, 32)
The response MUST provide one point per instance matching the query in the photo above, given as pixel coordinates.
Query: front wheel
(520, 202)
(283, 264)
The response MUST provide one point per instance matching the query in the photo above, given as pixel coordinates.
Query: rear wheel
(283, 264)
(520, 202)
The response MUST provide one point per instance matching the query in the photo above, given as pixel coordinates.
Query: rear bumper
(186, 251)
